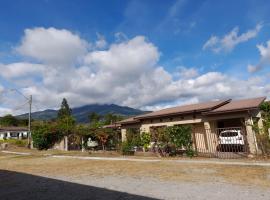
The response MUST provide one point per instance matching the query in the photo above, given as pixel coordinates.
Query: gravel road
(35, 177)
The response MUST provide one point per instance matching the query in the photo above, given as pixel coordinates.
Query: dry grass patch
(75, 168)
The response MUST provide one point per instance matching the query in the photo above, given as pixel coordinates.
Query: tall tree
(65, 110)
(111, 118)
(65, 120)
(94, 117)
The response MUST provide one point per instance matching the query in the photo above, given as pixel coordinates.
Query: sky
(146, 54)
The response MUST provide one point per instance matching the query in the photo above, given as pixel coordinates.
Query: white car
(91, 143)
(231, 137)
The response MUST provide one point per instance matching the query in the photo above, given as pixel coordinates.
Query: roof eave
(172, 114)
(229, 111)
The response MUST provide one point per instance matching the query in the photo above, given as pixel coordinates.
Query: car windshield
(228, 134)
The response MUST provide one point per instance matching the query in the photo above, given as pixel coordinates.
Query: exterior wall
(170, 121)
(62, 145)
(8, 135)
(124, 130)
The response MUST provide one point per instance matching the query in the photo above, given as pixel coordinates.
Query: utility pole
(29, 122)
(29, 99)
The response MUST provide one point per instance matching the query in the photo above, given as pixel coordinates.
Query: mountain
(81, 113)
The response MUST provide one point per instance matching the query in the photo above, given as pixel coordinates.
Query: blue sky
(173, 33)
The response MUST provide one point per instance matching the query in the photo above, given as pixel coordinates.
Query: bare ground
(160, 180)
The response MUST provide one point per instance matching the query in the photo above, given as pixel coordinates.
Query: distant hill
(81, 113)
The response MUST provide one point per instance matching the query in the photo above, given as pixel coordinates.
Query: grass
(16, 142)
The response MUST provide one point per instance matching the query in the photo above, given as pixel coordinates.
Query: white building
(13, 133)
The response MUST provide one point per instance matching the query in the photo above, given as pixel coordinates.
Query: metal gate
(230, 142)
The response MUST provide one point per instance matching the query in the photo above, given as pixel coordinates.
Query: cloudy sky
(144, 54)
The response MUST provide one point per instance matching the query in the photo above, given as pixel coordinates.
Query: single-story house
(13, 132)
(208, 121)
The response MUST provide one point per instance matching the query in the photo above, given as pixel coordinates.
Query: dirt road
(39, 177)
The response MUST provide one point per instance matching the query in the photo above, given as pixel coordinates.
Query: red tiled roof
(199, 107)
(239, 105)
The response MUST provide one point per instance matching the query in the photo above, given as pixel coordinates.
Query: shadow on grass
(21, 186)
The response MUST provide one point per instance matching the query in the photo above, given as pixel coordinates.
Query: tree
(66, 125)
(111, 118)
(45, 135)
(65, 110)
(94, 118)
(102, 136)
(65, 121)
(9, 120)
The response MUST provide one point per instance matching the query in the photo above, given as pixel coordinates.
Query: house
(208, 120)
(13, 132)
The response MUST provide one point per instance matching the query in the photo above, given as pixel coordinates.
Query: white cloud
(186, 73)
(120, 37)
(21, 69)
(125, 73)
(228, 42)
(101, 43)
(5, 111)
(264, 60)
(53, 46)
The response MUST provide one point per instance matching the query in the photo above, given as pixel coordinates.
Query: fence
(228, 142)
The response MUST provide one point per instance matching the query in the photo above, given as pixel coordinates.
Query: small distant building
(13, 132)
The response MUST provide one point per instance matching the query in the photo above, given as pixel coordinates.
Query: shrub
(145, 139)
(126, 148)
(181, 137)
(45, 136)
(133, 137)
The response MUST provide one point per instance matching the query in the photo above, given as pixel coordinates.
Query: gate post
(251, 137)
(66, 143)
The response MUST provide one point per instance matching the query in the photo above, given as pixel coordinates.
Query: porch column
(124, 134)
(207, 128)
(251, 137)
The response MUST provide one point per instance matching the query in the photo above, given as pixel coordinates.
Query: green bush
(127, 148)
(145, 139)
(181, 137)
(133, 137)
(45, 136)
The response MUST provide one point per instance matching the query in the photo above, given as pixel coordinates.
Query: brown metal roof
(239, 105)
(130, 120)
(199, 107)
(13, 128)
(113, 126)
